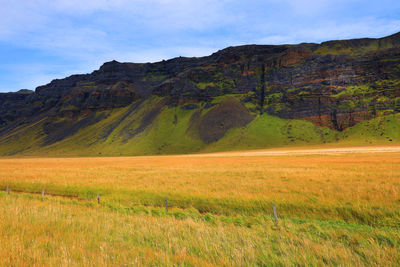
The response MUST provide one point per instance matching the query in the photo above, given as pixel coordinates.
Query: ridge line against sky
(41, 40)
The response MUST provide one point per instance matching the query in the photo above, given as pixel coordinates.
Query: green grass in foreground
(75, 233)
(345, 212)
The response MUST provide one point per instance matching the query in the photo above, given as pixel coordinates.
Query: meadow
(333, 209)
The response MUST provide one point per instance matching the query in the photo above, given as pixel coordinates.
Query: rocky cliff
(336, 84)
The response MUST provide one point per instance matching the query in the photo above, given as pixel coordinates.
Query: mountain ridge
(327, 88)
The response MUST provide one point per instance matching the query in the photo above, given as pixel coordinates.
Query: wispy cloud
(329, 30)
(76, 35)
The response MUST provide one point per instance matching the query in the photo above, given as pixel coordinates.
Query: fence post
(8, 189)
(98, 198)
(166, 204)
(275, 215)
(43, 192)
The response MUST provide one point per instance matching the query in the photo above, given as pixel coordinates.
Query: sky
(41, 40)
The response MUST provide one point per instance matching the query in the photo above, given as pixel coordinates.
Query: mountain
(241, 97)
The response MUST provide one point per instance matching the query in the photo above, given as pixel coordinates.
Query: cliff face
(14, 106)
(335, 84)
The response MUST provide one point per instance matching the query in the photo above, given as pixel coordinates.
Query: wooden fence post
(8, 189)
(275, 215)
(98, 198)
(43, 192)
(166, 204)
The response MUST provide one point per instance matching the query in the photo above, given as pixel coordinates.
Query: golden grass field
(334, 207)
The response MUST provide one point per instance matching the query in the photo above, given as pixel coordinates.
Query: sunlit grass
(54, 233)
(309, 185)
(333, 209)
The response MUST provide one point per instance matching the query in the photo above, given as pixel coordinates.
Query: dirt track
(271, 152)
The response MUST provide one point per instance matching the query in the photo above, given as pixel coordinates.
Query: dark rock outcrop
(334, 84)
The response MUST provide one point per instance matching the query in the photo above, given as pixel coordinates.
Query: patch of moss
(271, 131)
(381, 130)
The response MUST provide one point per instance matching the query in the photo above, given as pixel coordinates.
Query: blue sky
(41, 40)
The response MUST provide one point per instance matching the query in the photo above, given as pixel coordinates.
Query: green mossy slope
(150, 127)
(269, 131)
(381, 130)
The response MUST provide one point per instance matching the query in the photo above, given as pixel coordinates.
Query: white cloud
(83, 34)
(332, 30)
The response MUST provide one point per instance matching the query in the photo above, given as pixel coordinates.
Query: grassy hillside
(381, 130)
(150, 127)
(269, 131)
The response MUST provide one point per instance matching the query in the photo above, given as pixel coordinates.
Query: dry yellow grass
(335, 209)
(53, 233)
(363, 178)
